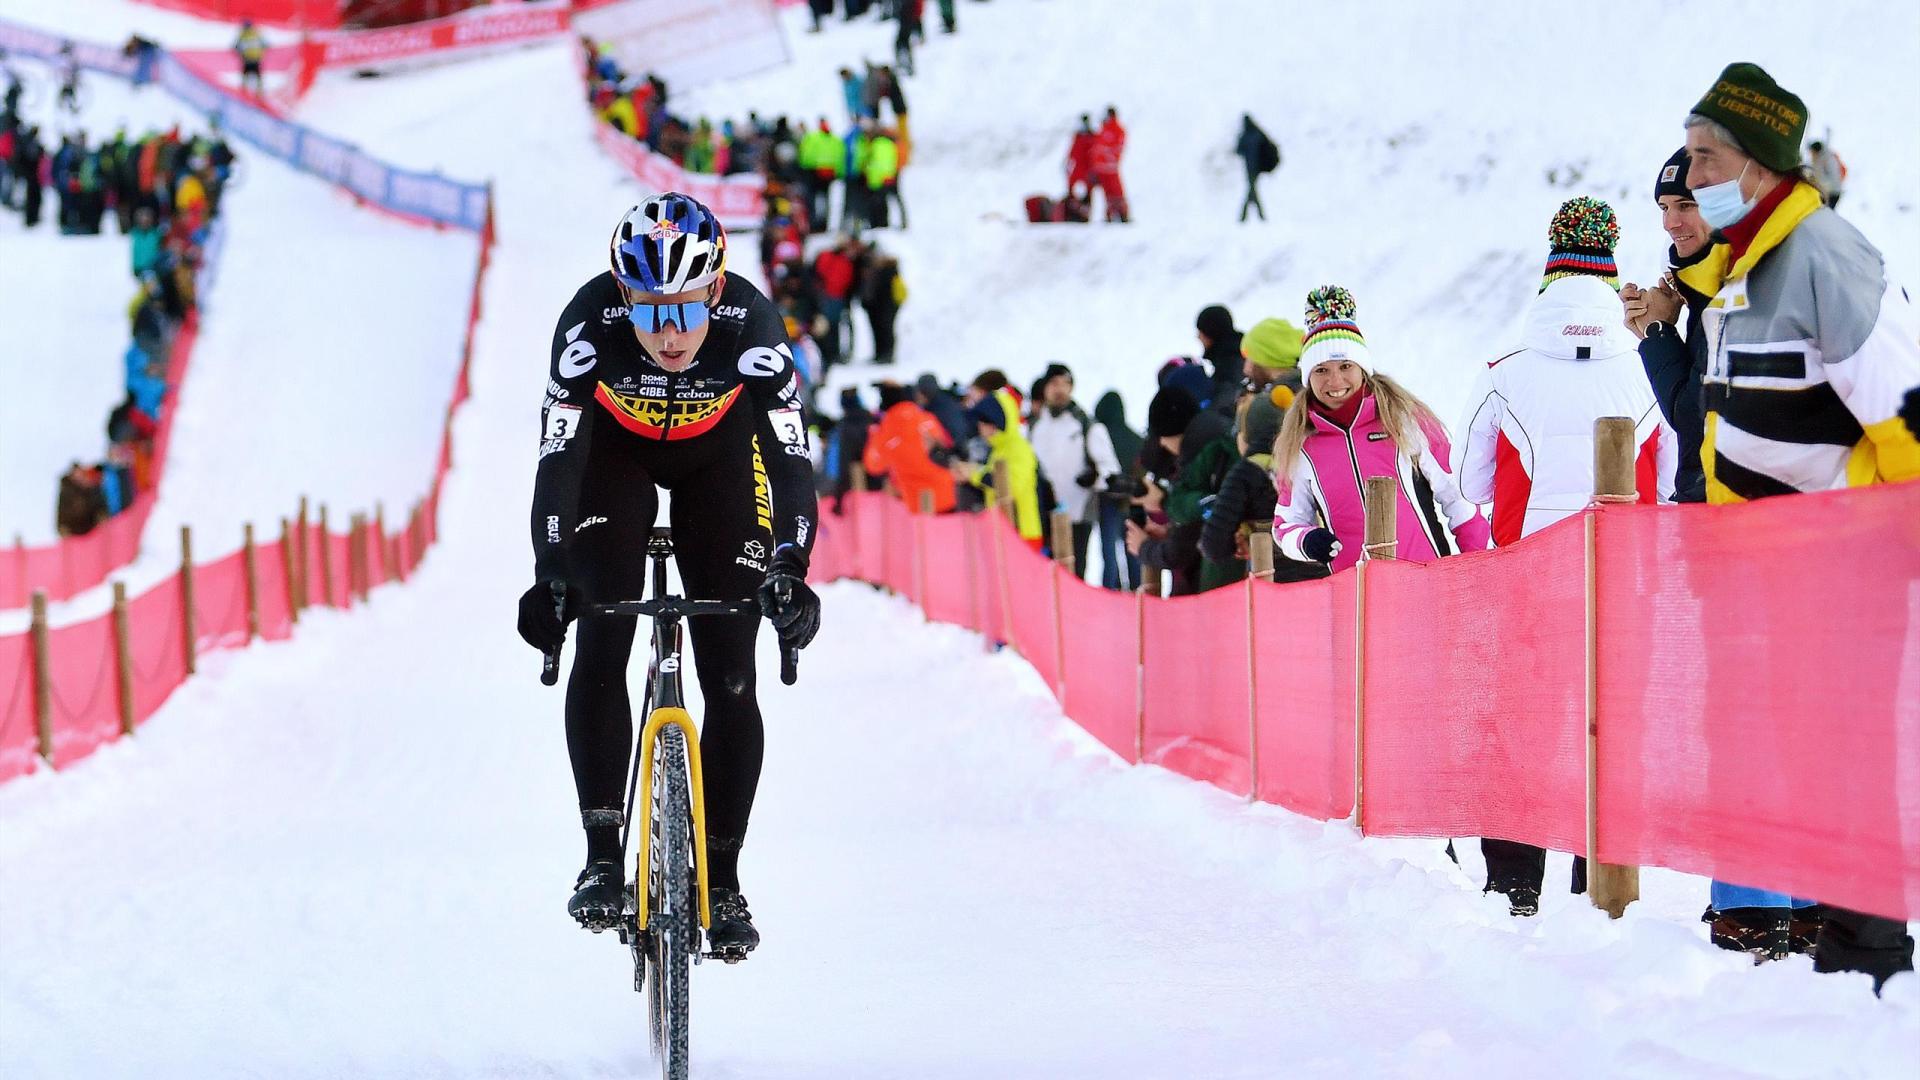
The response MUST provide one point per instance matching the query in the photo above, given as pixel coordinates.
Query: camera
(1124, 488)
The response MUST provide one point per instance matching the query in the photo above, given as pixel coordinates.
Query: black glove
(541, 625)
(789, 604)
(1320, 545)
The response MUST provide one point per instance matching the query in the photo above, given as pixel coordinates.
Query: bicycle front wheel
(673, 920)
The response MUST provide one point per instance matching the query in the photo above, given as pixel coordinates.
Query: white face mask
(1721, 205)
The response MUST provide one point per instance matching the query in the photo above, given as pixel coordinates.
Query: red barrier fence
(74, 564)
(66, 691)
(1756, 678)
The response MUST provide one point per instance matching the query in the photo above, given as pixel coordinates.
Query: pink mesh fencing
(1759, 711)
(19, 738)
(1029, 595)
(156, 646)
(1198, 699)
(899, 556)
(1102, 664)
(275, 601)
(85, 697)
(1476, 694)
(220, 603)
(1304, 695)
(945, 568)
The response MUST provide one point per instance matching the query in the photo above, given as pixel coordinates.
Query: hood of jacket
(1577, 318)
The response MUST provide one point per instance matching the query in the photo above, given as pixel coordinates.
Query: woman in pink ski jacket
(1351, 423)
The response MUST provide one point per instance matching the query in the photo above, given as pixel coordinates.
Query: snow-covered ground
(328, 348)
(348, 855)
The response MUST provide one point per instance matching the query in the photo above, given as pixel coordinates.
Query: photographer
(1188, 449)
(1075, 456)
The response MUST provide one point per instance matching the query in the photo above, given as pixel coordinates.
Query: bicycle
(670, 905)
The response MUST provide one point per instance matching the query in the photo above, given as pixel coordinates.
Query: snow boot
(1763, 932)
(732, 936)
(1523, 903)
(600, 895)
(1804, 929)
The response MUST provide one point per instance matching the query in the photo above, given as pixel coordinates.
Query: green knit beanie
(1272, 343)
(1769, 122)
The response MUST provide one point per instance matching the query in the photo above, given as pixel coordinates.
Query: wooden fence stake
(357, 562)
(326, 559)
(1380, 542)
(1062, 524)
(301, 595)
(1140, 669)
(189, 619)
(1003, 491)
(378, 542)
(1610, 887)
(252, 559)
(1260, 554)
(287, 544)
(123, 656)
(42, 677)
(1059, 627)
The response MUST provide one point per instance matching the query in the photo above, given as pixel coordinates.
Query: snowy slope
(1417, 139)
(64, 301)
(348, 855)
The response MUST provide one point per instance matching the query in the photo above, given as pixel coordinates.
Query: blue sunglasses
(653, 318)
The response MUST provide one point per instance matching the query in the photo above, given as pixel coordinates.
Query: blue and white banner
(425, 195)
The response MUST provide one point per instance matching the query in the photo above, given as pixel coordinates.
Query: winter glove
(541, 625)
(787, 602)
(1320, 545)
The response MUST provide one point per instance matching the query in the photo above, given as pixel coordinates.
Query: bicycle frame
(667, 706)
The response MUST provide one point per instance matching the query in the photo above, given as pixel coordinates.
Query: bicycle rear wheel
(673, 922)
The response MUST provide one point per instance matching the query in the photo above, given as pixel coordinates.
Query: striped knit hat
(1583, 235)
(1332, 334)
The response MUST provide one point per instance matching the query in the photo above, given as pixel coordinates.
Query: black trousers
(1854, 941)
(718, 540)
(1252, 201)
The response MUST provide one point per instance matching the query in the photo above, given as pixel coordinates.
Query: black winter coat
(1676, 368)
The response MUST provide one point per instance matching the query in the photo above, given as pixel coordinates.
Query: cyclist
(669, 371)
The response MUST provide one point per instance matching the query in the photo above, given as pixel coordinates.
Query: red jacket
(836, 274)
(1108, 145)
(1080, 157)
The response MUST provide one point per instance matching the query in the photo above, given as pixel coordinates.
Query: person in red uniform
(1080, 160)
(1108, 146)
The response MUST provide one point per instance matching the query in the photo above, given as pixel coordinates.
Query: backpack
(1039, 209)
(1269, 155)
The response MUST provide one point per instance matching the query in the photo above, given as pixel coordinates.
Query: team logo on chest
(664, 417)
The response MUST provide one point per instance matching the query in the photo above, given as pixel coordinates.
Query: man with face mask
(1675, 364)
(1810, 349)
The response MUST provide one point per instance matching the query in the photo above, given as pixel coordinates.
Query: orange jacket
(901, 445)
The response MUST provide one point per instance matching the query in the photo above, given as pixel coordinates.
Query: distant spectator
(1180, 433)
(145, 242)
(1120, 568)
(80, 505)
(856, 424)
(1261, 155)
(818, 9)
(910, 14)
(1220, 347)
(996, 419)
(1109, 146)
(1272, 356)
(1829, 172)
(251, 48)
(947, 25)
(944, 407)
(1076, 456)
(910, 446)
(883, 179)
(1080, 161)
(882, 291)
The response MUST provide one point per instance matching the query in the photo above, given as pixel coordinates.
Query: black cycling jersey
(736, 406)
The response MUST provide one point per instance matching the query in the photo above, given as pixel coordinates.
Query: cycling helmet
(668, 244)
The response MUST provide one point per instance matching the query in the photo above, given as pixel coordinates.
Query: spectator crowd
(1770, 357)
(162, 191)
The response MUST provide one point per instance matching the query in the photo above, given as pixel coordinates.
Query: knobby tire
(673, 923)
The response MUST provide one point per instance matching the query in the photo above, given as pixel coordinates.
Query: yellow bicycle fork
(649, 739)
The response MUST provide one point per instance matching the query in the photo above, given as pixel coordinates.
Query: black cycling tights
(718, 536)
